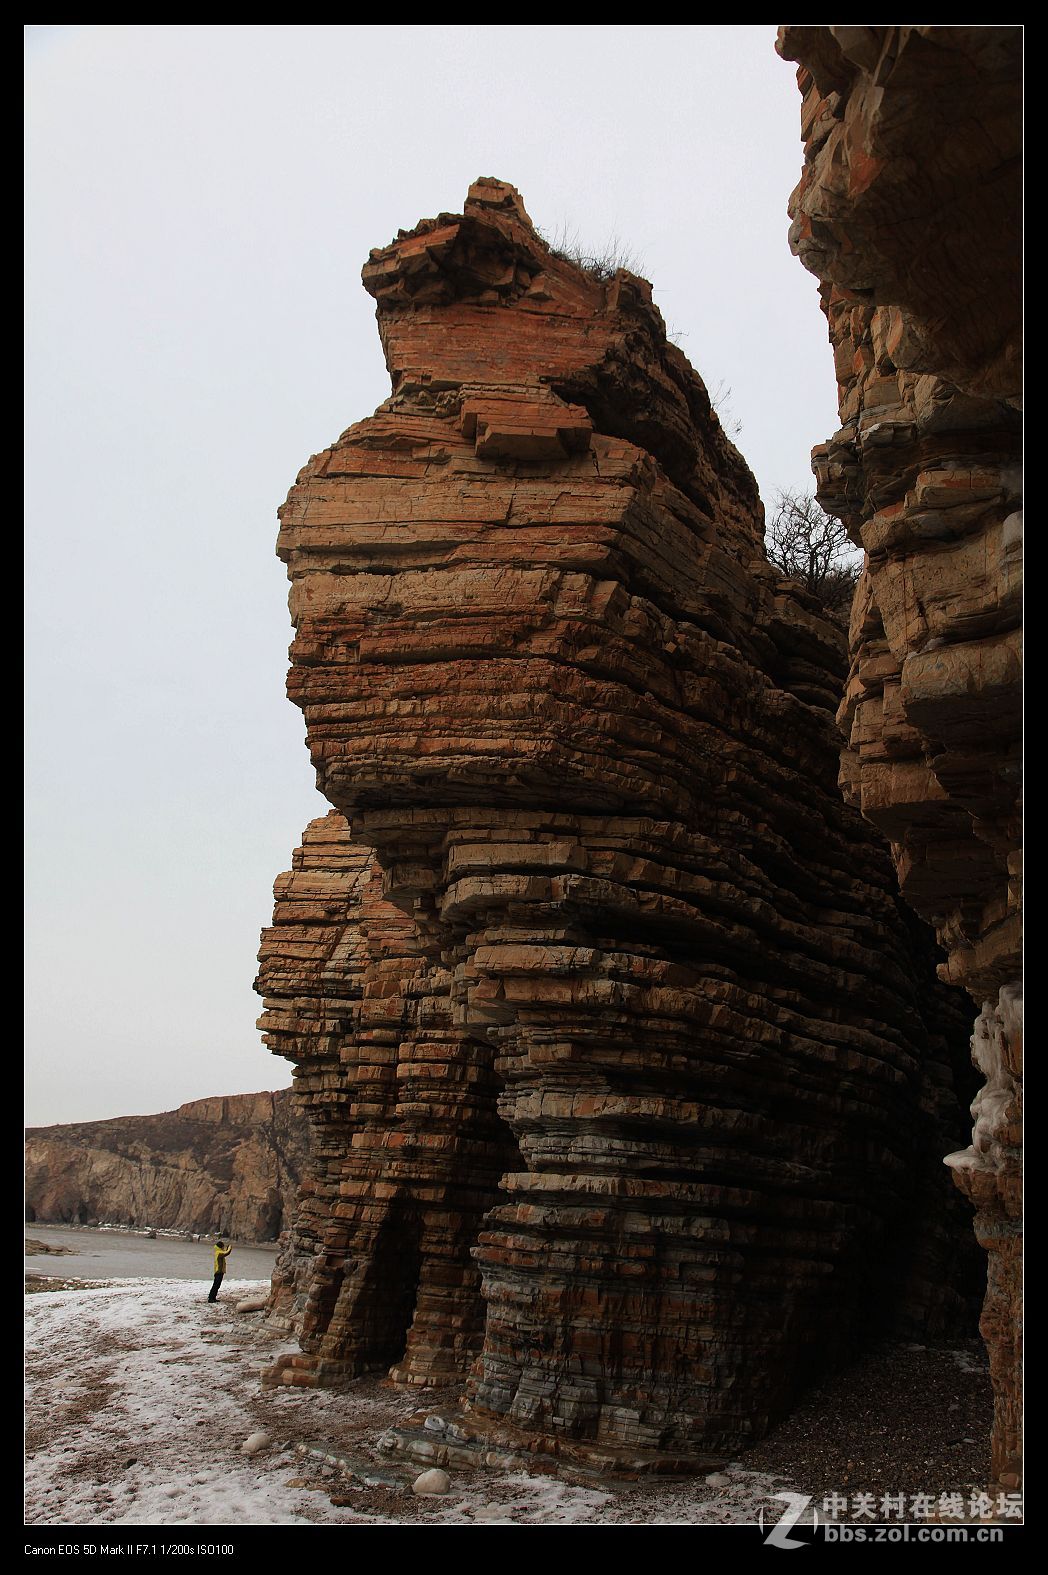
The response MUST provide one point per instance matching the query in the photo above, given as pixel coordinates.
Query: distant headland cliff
(228, 1164)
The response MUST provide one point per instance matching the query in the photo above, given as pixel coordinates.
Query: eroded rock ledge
(908, 213)
(629, 1074)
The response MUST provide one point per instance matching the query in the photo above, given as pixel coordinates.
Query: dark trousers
(214, 1289)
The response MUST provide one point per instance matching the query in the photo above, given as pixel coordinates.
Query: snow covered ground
(140, 1395)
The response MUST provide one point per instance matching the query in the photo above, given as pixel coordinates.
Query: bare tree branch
(814, 548)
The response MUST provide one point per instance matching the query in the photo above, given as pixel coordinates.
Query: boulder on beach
(431, 1482)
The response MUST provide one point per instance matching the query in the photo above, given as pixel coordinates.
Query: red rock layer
(550, 679)
(908, 213)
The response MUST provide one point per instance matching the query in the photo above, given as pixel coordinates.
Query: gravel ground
(34, 1283)
(903, 1419)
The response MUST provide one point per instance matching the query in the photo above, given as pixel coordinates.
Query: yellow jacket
(221, 1254)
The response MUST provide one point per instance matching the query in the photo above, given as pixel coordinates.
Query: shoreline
(87, 1253)
(149, 1232)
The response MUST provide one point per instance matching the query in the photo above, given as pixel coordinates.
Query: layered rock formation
(628, 1072)
(406, 1145)
(908, 213)
(230, 1164)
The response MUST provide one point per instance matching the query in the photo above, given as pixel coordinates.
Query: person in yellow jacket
(221, 1254)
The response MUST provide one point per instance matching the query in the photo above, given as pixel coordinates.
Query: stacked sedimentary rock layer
(629, 1074)
(228, 1164)
(908, 213)
(407, 1148)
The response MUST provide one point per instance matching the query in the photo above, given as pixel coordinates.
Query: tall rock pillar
(630, 1071)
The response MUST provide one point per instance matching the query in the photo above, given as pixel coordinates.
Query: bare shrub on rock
(814, 548)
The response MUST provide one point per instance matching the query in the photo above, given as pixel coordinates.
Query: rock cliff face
(908, 213)
(629, 1074)
(232, 1165)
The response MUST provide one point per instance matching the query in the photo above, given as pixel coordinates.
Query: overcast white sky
(201, 200)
